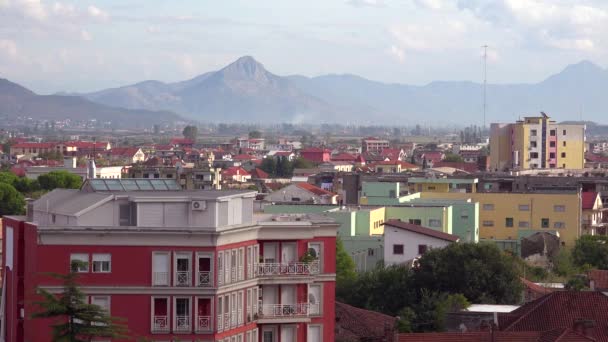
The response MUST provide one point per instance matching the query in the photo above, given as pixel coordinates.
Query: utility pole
(485, 82)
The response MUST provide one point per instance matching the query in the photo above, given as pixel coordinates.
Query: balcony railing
(286, 310)
(226, 321)
(182, 323)
(233, 320)
(160, 324)
(241, 273)
(295, 268)
(239, 315)
(203, 323)
(233, 274)
(182, 278)
(220, 322)
(204, 278)
(161, 278)
(220, 277)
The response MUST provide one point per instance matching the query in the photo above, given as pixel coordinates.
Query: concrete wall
(410, 241)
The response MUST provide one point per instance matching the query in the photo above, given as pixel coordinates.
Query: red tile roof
(347, 157)
(588, 200)
(600, 279)
(535, 289)
(595, 158)
(392, 153)
(468, 167)
(259, 173)
(181, 141)
(314, 189)
(102, 145)
(354, 324)
(560, 309)
(235, 170)
(123, 151)
(478, 336)
(421, 230)
(35, 145)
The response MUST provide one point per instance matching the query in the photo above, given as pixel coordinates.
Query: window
(552, 133)
(559, 225)
(533, 144)
(53, 218)
(101, 263)
(422, 249)
(104, 303)
(559, 208)
(370, 252)
(83, 258)
(524, 224)
(398, 249)
(488, 223)
(509, 222)
(392, 194)
(563, 154)
(434, 223)
(182, 315)
(552, 144)
(314, 299)
(524, 207)
(552, 155)
(564, 132)
(564, 143)
(127, 214)
(533, 155)
(533, 132)
(160, 268)
(488, 207)
(415, 221)
(544, 223)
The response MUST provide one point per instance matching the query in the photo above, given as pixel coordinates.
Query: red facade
(316, 155)
(261, 287)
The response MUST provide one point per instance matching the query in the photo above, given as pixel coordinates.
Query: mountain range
(245, 91)
(17, 101)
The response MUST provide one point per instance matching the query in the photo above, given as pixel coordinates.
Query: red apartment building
(176, 264)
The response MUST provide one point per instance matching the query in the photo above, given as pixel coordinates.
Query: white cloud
(433, 4)
(85, 35)
(31, 9)
(8, 48)
(397, 52)
(95, 12)
(366, 3)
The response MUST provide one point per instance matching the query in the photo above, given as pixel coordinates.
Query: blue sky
(83, 45)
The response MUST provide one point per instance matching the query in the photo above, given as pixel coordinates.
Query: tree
(451, 157)
(591, 250)
(190, 132)
(301, 163)
(11, 200)
(74, 319)
(59, 179)
(269, 166)
(255, 135)
(481, 272)
(345, 266)
(51, 155)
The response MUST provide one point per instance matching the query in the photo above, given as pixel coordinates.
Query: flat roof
(443, 180)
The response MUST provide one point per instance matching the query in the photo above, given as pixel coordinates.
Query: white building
(405, 241)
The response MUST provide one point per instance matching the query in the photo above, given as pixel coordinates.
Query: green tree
(255, 135)
(591, 250)
(345, 266)
(74, 319)
(11, 200)
(59, 179)
(481, 272)
(269, 166)
(301, 163)
(451, 157)
(190, 132)
(51, 155)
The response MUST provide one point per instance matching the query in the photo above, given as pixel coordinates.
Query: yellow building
(508, 217)
(424, 184)
(537, 143)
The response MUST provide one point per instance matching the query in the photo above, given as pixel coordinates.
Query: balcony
(287, 310)
(203, 323)
(296, 268)
(182, 278)
(182, 324)
(226, 321)
(161, 278)
(204, 279)
(160, 324)
(220, 322)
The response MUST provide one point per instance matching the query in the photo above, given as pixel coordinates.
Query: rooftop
(421, 230)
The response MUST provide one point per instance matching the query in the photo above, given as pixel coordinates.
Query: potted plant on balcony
(309, 258)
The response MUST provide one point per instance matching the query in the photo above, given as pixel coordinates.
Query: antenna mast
(485, 81)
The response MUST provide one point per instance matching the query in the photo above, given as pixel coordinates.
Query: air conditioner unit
(199, 205)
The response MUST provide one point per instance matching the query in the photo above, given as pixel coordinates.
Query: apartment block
(374, 145)
(537, 143)
(183, 265)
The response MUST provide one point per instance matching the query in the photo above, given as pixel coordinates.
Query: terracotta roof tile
(361, 325)
(588, 199)
(314, 189)
(600, 278)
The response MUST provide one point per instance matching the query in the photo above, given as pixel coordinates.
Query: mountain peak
(583, 66)
(245, 66)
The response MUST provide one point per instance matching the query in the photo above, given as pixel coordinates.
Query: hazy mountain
(244, 90)
(16, 100)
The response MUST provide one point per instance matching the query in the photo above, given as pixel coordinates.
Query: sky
(81, 46)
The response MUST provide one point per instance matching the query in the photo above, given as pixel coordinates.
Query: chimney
(91, 169)
(69, 162)
(583, 326)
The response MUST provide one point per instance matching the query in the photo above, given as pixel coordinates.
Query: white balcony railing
(226, 321)
(233, 278)
(182, 278)
(286, 310)
(233, 318)
(239, 315)
(241, 273)
(220, 277)
(161, 278)
(203, 323)
(160, 324)
(295, 268)
(182, 323)
(204, 278)
(220, 322)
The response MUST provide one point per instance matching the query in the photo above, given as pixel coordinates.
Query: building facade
(537, 143)
(175, 264)
(374, 145)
